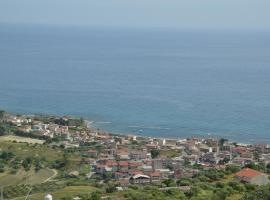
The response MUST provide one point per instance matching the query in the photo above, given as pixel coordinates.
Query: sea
(153, 82)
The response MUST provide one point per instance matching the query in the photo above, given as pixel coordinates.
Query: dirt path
(51, 177)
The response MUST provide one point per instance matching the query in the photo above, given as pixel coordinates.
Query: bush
(231, 169)
(183, 182)
(13, 171)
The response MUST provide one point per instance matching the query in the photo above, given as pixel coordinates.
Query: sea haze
(149, 82)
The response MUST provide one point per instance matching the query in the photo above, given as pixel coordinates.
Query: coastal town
(128, 160)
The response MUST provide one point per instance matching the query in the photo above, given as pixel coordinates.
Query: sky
(179, 14)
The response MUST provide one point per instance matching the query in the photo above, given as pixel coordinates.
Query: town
(121, 162)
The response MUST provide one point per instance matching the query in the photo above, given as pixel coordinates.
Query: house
(209, 158)
(147, 169)
(138, 155)
(161, 163)
(165, 173)
(120, 175)
(90, 161)
(241, 161)
(112, 164)
(133, 172)
(140, 179)
(251, 176)
(155, 177)
(150, 147)
(91, 153)
(123, 182)
(123, 166)
(122, 155)
(134, 164)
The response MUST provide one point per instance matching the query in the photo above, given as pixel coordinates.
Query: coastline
(99, 125)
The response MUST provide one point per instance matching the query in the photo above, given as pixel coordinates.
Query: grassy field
(23, 177)
(69, 191)
(24, 150)
(171, 153)
(20, 139)
(235, 197)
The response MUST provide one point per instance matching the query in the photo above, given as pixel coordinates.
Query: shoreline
(91, 124)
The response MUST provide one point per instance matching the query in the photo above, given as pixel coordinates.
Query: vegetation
(39, 165)
(155, 153)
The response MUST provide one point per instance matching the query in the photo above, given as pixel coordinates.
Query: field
(24, 150)
(22, 177)
(17, 185)
(20, 139)
(69, 191)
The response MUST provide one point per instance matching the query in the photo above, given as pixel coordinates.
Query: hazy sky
(214, 14)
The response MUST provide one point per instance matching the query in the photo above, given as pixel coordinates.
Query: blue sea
(162, 83)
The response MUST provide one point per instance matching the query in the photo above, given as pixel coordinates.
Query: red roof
(123, 163)
(240, 149)
(123, 181)
(250, 173)
(111, 163)
(135, 172)
(135, 164)
(155, 174)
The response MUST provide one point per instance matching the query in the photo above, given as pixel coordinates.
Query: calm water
(157, 83)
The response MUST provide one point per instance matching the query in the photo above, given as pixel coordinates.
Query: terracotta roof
(100, 166)
(123, 181)
(135, 164)
(123, 164)
(155, 174)
(239, 149)
(250, 173)
(118, 173)
(111, 163)
(135, 172)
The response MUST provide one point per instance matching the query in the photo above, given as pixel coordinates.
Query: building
(91, 153)
(138, 155)
(155, 177)
(140, 179)
(251, 176)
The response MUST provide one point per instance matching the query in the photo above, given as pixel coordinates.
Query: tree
(2, 167)
(220, 194)
(2, 113)
(107, 176)
(95, 196)
(110, 188)
(194, 191)
(183, 182)
(168, 182)
(231, 169)
(38, 165)
(2, 130)
(27, 163)
(6, 155)
(155, 153)
(261, 193)
(222, 141)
